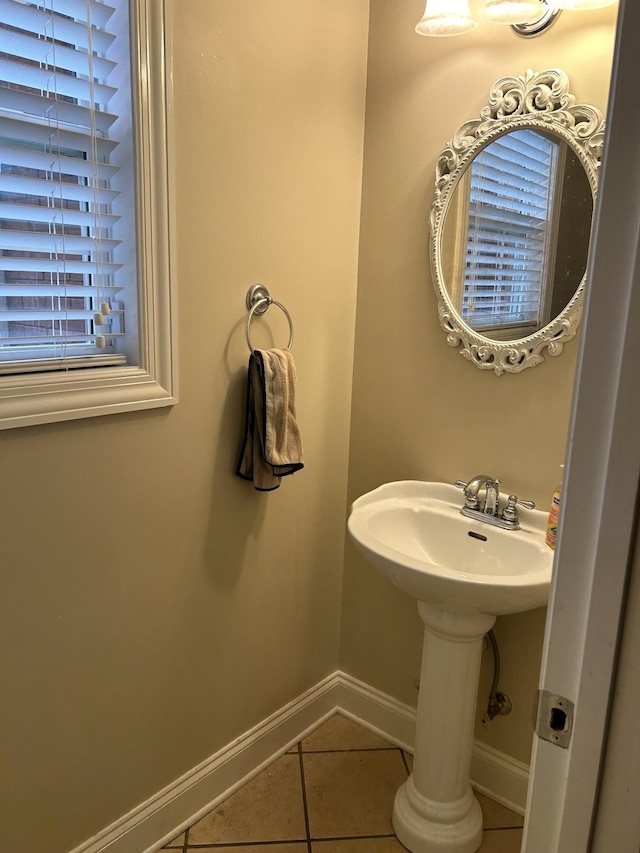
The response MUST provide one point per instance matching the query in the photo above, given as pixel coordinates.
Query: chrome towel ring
(258, 300)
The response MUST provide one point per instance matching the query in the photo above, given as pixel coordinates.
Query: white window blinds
(509, 239)
(60, 276)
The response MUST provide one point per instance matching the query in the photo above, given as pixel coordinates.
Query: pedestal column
(435, 810)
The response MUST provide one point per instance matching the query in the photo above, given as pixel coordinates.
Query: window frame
(48, 397)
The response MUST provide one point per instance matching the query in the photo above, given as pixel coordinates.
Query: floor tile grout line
(349, 749)
(304, 798)
(240, 845)
(354, 837)
(216, 845)
(501, 828)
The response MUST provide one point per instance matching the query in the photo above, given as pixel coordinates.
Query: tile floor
(332, 793)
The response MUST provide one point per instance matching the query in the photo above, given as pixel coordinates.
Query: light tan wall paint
(154, 606)
(419, 409)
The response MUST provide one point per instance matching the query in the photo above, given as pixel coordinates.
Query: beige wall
(154, 606)
(419, 409)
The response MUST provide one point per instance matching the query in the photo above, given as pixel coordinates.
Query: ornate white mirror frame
(540, 101)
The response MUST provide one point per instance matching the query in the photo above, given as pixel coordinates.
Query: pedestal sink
(464, 573)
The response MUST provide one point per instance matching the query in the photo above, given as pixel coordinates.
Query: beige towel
(271, 448)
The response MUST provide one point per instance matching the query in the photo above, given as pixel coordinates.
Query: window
(510, 237)
(86, 309)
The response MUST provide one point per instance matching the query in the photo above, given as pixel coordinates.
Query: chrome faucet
(472, 490)
(489, 511)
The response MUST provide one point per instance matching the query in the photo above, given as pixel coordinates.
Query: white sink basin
(413, 533)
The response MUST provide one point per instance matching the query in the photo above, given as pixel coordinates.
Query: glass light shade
(512, 11)
(446, 18)
(579, 5)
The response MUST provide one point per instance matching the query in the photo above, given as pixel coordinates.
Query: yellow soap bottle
(554, 515)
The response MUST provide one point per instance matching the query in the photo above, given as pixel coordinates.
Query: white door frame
(601, 483)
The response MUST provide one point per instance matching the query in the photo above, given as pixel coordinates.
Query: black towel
(272, 447)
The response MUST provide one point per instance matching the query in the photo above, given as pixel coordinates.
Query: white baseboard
(499, 776)
(152, 824)
(383, 714)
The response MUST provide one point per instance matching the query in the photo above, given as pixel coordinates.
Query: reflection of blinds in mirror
(510, 205)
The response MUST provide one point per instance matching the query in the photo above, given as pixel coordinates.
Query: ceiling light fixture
(446, 18)
(582, 5)
(528, 29)
(526, 17)
(511, 11)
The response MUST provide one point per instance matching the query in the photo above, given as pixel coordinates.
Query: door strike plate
(555, 718)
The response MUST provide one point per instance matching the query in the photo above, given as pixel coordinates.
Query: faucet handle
(470, 501)
(510, 512)
(525, 504)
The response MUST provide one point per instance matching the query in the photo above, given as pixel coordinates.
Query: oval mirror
(511, 221)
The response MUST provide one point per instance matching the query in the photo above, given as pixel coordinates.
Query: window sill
(50, 398)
